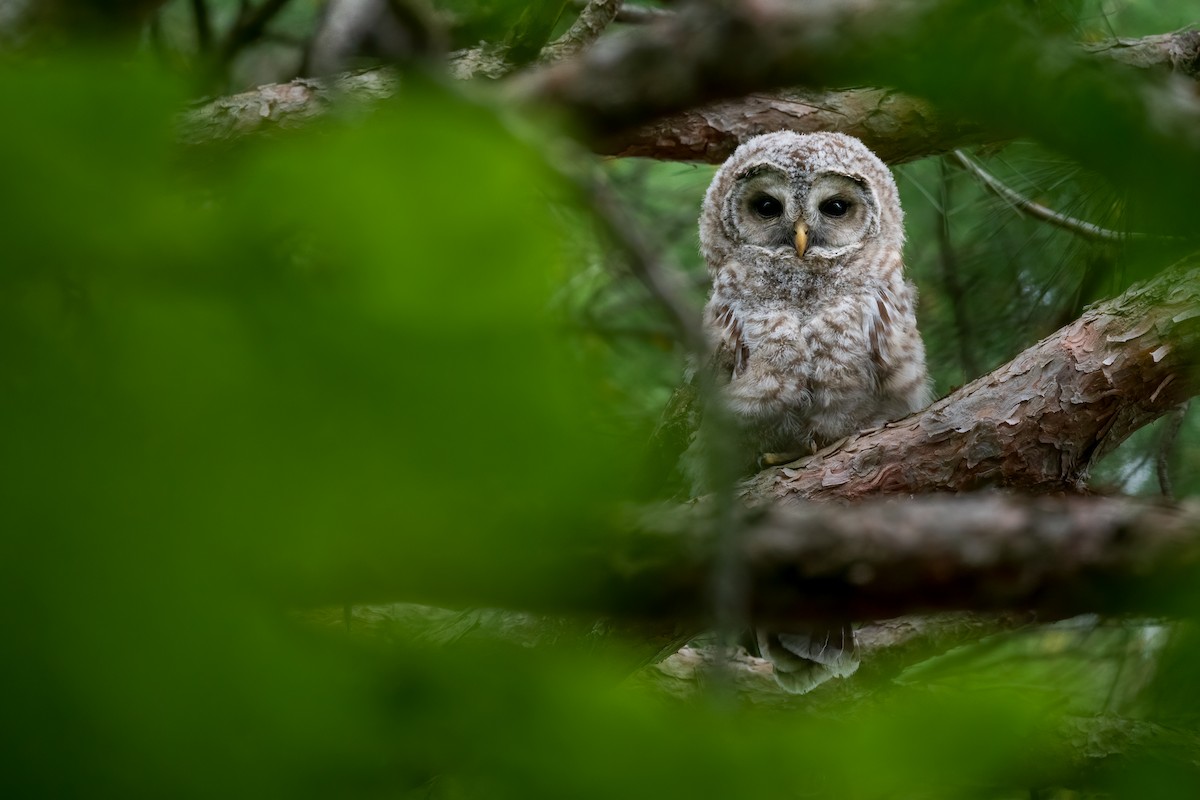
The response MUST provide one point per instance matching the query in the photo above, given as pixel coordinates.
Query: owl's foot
(775, 459)
(803, 661)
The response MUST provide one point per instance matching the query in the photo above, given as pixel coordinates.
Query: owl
(810, 320)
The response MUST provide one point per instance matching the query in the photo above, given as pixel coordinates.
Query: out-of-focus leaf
(329, 372)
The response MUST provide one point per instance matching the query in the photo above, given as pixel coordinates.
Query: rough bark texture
(280, 106)
(896, 126)
(1178, 52)
(1039, 422)
(877, 559)
(591, 22)
(698, 56)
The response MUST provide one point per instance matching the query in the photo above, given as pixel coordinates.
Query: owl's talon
(775, 459)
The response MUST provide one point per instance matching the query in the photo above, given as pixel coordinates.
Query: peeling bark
(896, 126)
(281, 106)
(1036, 424)
(986, 60)
(1178, 52)
(591, 22)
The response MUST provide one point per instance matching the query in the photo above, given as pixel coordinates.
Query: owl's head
(813, 197)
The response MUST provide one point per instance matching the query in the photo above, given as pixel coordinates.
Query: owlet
(810, 319)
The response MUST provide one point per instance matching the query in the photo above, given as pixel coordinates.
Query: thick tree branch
(897, 126)
(877, 559)
(699, 55)
(1060, 556)
(280, 106)
(1035, 424)
(1039, 422)
(987, 56)
(1178, 51)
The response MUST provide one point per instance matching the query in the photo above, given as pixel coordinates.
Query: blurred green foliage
(325, 370)
(328, 368)
(384, 359)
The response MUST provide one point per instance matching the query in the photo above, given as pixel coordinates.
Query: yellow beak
(801, 237)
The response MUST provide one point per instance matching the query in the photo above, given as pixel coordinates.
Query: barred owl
(810, 320)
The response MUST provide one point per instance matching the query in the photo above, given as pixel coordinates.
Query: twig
(640, 15)
(1024, 205)
(661, 281)
(1165, 445)
(249, 27)
(636, 15)
(591, 22)
(962, 320)
(204, 31)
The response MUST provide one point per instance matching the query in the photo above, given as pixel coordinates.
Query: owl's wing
(897, 352)
(732, 353)
(880, 316)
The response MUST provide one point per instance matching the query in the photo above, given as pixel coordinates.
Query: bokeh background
(281, 416)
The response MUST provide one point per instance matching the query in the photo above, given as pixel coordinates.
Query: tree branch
(203, 24)
(591, 22)
(280, 106)
(698, 56)
(896, 126)
(635, 15)
(1178, 52)
(665, 284)
(1024, 205)
(876, 559)
(248, 27)
(1039, 422)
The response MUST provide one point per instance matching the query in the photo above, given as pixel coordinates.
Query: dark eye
(766, 206)
(834, 207)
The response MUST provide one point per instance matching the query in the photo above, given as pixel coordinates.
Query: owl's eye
(766, 206)
(834, 207)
